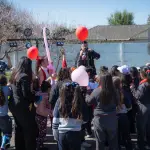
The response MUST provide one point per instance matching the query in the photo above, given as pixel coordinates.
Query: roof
(116, 33)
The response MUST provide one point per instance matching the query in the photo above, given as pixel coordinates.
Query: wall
(132, 54)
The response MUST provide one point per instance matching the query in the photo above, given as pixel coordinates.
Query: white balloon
(82, 67)
(80, 76)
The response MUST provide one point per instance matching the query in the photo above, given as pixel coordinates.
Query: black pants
(0, 136)
(124, 132)
(25, 129)
(131, 117)
(69, 141)
(143, 129)
(86, 127)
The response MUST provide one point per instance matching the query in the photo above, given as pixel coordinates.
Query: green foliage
(121, 18)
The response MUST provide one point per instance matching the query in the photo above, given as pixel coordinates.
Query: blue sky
(84, 12)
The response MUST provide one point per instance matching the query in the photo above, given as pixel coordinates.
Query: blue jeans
(6, 125)
(6, 129)
(70, 140)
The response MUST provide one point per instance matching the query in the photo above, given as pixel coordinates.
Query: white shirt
(46, 72)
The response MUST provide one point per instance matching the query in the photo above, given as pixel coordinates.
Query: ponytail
(3, 82)
(2, 97)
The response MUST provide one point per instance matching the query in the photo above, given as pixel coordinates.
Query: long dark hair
(24, 66)
(126, 80)
(103, 69)
(107, 93)
(38, 63)
(3, 82)
(134, 72)
(71, 101)
(64, 73)
(117, 83)
(114, 71)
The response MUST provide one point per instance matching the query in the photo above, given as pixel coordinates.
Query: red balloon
(32, 53)
(82, 33)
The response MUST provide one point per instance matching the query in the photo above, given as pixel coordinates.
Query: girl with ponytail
(142, 96)
(5, 120)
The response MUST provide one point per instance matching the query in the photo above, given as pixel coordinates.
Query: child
(123, 122)
(5, 120)
(42, 112)
(68, 115)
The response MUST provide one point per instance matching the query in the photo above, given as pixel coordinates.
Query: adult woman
(21, 106)
(142, 95)
(105, 119)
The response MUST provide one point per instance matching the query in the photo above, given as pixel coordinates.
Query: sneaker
(85, 144)
(89, 136)
(7, 145)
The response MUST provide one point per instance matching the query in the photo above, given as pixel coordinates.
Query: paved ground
(52, 145)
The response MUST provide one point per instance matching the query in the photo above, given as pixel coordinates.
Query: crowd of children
(116, 102)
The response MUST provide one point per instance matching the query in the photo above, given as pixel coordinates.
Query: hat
(124, 69)
(147, 64)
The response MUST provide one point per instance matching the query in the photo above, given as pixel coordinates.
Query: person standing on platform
(86, 57)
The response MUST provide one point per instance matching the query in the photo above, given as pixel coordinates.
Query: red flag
(64, 62)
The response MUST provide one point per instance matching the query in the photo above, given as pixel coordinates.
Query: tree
(60, 31)
(121, 18)
(12, 24)
(148, 20)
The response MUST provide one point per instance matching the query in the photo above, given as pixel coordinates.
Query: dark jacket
(22, 94)
(128, 97)
(142, 93)
(54, 93)
(89, 62)
(100, 109)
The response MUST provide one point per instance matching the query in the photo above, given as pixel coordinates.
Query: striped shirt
(64, 125)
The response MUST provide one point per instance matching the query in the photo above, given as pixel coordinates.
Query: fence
(130, 53)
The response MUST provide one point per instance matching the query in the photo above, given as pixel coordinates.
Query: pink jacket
(43, 107)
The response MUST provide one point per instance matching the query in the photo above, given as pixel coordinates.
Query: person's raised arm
(96, 55)
(92, 99)
(138, 92)
(9, 65)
